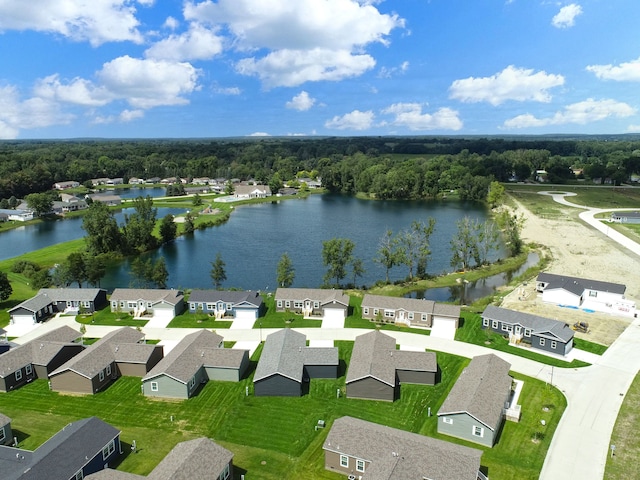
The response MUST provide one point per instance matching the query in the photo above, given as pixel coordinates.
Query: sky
(220, 68)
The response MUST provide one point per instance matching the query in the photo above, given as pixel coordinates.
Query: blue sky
(215, 68)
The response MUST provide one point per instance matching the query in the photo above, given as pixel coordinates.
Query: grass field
(623, 465)
(275, 437)
(589, 195)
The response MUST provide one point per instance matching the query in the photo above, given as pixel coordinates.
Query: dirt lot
(579, 251)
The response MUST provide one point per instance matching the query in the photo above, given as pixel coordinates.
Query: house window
(365, 311)
(375, 311)
(389, 313)
(297, 304)
(18, 375)
(2, 434)
(478, 431)
(494, 324)
(131, 305)
(527, 332)
(485, 322)
(359, 465)
(86, 304)
(448, 420)
(505, 327)
(424, 317)
(279, 303)
(593, 293)
(149, 304)
(101, 376)
(225, 473)
(192, 306)
(108, 369)
(108, 449)
(122, 304)
(509, 328)
(28, 369)
(410, 315)
(554, 344)
(344, 461)
(542, 342)
(154, 386)
(79, 475)
(229, 306)
(192, 382)
(211, 306)
(316, 304)
(287, 304)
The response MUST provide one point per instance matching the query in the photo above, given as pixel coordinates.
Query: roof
(371, 357)
(323, 296)
(578, 285)
(539, 325)
(4, 419)
(234, 297)
(154, 295)
(625, 214)
(398, 454)
(79, 294)
(62, 455)
(282, 354)
(33, 304)
(110, 474)
(411, 305)
(199, 458)
(481, 390)
(247, 189)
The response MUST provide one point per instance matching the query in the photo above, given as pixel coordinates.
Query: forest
(384, 167)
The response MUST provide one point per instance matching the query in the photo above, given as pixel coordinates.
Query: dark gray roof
(372, 357)
(33, 304)
(234, 297)
(540, 326)
(133, 352)
(481, 390)
(625, 214)
(320, 356)
(323, 296)
(110, 474)
(153, 295)
(62, 455)
(79, 294)
(194, 459)
(411, 305)
(4, 420)
(416, 361)
(396, 454)
(578, 285)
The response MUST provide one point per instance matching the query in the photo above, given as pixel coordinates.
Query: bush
(21, 265)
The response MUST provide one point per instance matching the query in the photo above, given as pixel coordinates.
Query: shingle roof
(579, 285)
(481, 390)
(282, 354)
(396, 454)
(227, 296)
(194, 459)
(33, 304)
(323, 296)
(372, 356)
(154, 295)
(4, 419)
(79, 294)
(110, 474)
(539, 325)
(411, 305)
(417, 361)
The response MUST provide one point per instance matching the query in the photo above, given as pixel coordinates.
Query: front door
(518, 330)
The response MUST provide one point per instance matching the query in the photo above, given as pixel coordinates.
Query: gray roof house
(191, 460)
(474, 408)
(78, 450)
(121, 352)
(408, 311)
(148, 302)
(38, 358)
(377, 369)
(540, 332)
(287, 364)
(6, 435)
(227, 303)
(197, 358)
(313, 302)
(625, 217)
(370, 451)
(252, 191)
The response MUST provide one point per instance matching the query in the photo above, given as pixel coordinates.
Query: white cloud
(355, 120)
(390, 72)
(171, 23)
(96, 21)
(198, 43)
(130, 115)
(584, 112)
(228, 90)
(301, 102)
(512, 83)
(566, 17)
(633, 129)
(625, 72)
(79, 91)
(290, 68)
(303, 40)
(259, 134)
(410, 115)
(148, 83)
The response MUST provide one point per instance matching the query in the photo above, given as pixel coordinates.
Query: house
(78, 450)
(625, 217)
(120, 352)
(313, 302)
(6, 435)
(474, 408)
(19, 215)
(65, 185)
(99, 181)
(150, 302)
(240, 305)
(540, 332)
(38, 358)
(412, 312)
(194, 459)
(252, 191)
(369, 451)
(196, 359)
(377, 369)
(287, 364)
(68, 203)
(585, 294)
(152, 180)
(50, 301)
(136, 181)
(115, 181)
(108, 199)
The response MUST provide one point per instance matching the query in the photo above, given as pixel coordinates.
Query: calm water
(253, 240)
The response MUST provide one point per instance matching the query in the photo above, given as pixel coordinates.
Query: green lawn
(106, 317)
(198, 320)
(277, 431)
(589, 195)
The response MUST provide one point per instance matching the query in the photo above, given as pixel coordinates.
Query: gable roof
(396, 454)
(480, 390)
(62, 455)
(199, 458)
(234, 297)
(540, 326)
(410, 305)
(4, 420)
(33, 304)
(72, 294)
(372, 357)
(578, 285)
(324, 296)
(154, 295)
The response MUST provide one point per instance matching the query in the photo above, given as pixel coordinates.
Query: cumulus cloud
(355, 120)
(198, 43)
(78, 91)
(301, 102)
(512, 83)
(584, 112)
(390, 72)
(171, 23)
(130, 115)
(566, 17)
(410, 115)
(625, 72)
(259, 134)
(633, 129)
(303, 40)
(96, 21)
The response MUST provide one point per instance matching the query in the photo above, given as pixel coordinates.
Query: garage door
(444, 328)
(22, 320)
(333, 314)
(245, 314)
(163, 314)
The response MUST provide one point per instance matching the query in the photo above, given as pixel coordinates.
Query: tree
(275, 184)
(189, 224)
(495, 196)
(511, 225)
(41, 279)
(285, 271)
(423, 233)
(103, 233)
(5, 287)
(95, 268)
(218, 273)
(40, 203)
(488, 241)
(197, 200)
(141, 270)
(168, 229)
(464, 244)
(159, 274)
(76, 271)
(139, 226)
(337, 254)
(229, 188)
(387, 254)
(357, 269)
